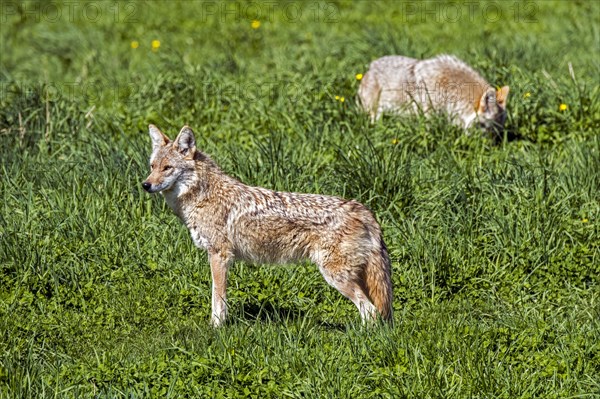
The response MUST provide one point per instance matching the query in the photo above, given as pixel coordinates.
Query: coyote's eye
(167, 167)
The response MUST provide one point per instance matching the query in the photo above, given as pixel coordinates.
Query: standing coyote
(231, 220)
(443, 83)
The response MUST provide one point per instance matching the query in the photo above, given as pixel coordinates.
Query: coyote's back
(234, 221)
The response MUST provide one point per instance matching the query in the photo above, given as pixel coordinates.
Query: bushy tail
(368, 94)
(379, 282)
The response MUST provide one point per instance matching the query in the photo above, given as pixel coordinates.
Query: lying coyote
(443, 83)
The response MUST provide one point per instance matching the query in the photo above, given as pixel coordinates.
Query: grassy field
(495, 245)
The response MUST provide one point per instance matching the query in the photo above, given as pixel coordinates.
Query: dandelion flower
(563, 107)
(255, 24)
(337, 97)
(342, 99)
(394, 141)
(359, 76)
(584, 220)
(155, 45)
(527, 95)
(135, 44)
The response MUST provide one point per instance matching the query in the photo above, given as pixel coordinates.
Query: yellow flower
(155, 45)
(337, 97)
(584, 220)
(563, 107)
(342, 99)
(527, 95)
(135, 44)
(255, 24)
(394, 141)
(359, 76)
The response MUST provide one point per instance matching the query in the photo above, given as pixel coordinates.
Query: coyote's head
(171, 162)
(491, 112)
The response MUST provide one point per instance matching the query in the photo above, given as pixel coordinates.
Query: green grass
(495, 244)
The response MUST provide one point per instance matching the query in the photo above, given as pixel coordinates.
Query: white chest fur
(199, 239)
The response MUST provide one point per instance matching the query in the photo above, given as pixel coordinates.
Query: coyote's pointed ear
(158, 138)
(502, 96)
(487, 100)
(185, 143)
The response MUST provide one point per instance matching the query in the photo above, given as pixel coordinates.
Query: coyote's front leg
(219, 264)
